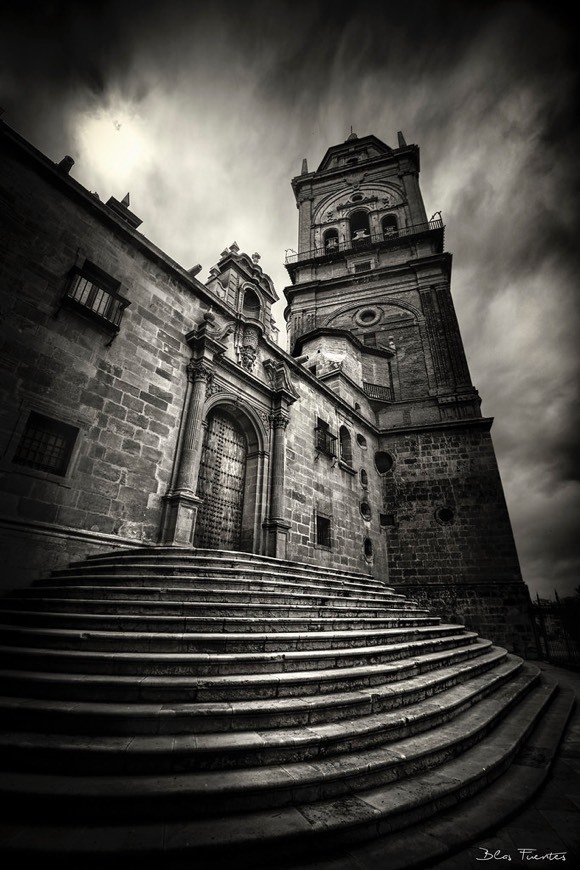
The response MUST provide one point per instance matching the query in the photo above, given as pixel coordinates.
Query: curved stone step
(229, 791)
(223, 578)
(481, 781)
(226, 560)
(160, 624)
(87, 717)
(209, 664)
(216, 642)
(209, 595)
(165, 753)
(229, 687)
(165, 605)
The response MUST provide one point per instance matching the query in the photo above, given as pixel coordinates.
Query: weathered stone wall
(316, 482)
(497, 611)
(451, 520)
(124, 396)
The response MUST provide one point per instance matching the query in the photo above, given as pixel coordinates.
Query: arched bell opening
(360, 229)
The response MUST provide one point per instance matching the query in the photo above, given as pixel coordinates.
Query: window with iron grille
(96, 294)
(46, 444)
(324, 440)
(362, 267)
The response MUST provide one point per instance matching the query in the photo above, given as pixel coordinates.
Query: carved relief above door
(221, 484)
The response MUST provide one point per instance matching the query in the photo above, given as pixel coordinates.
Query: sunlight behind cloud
(113, 142)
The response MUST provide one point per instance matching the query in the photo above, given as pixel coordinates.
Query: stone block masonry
(121, 394)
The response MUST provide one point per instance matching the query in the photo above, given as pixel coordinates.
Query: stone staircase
(198, 706)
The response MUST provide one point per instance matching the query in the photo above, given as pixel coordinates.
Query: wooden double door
(221, 483)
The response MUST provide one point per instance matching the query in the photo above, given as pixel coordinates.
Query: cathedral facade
(141, 406)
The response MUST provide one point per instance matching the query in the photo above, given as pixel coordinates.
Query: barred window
(324, 439)
(95, 293)
(46, 444)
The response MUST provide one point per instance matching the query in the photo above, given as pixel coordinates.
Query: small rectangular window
(46, 444)
(370, 339)
(322, 531)
(362, 267)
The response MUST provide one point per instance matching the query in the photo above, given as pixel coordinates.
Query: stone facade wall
(318, 483)
(496, 611)
(451, 521)
(125, 396)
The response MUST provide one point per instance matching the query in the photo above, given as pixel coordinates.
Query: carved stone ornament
(198, 370)
(248, 357)
(279, 420)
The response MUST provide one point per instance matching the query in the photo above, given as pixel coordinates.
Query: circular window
(365, 510)
(368, 548)
(361, 440)
(445, 516)
(367, 316)
(356, 197)
(364, 478)
(383, 461)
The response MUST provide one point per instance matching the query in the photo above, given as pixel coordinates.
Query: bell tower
(370, 315)
(371, 285)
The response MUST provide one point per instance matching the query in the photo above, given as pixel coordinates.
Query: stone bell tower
(370, 305)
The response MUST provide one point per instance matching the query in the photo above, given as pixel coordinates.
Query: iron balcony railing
(102, 304)
(378, 391)
(333, 246)
(325, 442)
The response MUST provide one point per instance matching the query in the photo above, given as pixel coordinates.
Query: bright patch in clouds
(113, 142)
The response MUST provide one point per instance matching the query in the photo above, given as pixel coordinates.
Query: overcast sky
(203, 111)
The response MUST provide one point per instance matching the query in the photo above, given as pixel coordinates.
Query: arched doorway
(221, 483)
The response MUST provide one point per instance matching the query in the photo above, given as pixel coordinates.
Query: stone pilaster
(181, 502)
(276, 526)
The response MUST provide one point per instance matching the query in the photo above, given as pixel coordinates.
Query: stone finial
(234, 248)
(304, 167)
(195, 270)
(125, 201)
(401, 138)
(256, 258)
(66, 164)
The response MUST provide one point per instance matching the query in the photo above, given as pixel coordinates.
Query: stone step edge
(290, 780)
(293, 705)
(442, 834)
(352, 612)
(245, 680)
(264, 637)
(240, 577)
(461, 638)
(358, 816)
(47, 590)
(235, 556)
(417, 716)
(408, 621)
(253, 838)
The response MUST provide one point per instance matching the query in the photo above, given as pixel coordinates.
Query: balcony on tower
(361, 237)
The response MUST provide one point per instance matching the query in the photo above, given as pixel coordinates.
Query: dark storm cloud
(205, 110)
